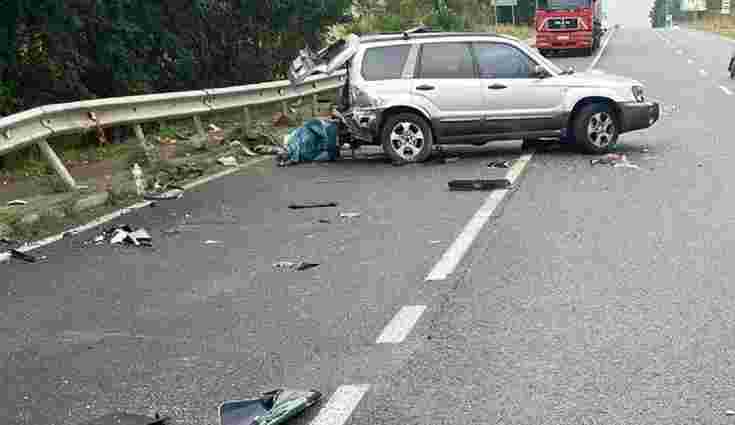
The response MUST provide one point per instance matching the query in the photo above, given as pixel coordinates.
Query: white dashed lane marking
(340, 405)
(399, 328)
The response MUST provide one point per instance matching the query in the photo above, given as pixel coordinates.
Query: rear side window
(446, 60)
(384, 63)
(502, 61)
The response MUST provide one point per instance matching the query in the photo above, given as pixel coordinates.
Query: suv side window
(498, 60)
(446, 60)
(384, 63)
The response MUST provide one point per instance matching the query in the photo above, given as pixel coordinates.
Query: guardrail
(39, 124)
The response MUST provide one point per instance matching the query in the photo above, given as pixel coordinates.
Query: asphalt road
(593, 295)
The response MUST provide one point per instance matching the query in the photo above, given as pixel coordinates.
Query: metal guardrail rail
(39, 124)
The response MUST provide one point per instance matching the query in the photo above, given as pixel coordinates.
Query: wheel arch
(398, 109)
(590, 100)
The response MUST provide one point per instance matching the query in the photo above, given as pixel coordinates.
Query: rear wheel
(595, 128)
(407, 137)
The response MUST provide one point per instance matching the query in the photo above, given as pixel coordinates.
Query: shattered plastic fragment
(14, 253)
(228, 161)
(500, 164)
(211, 242)
(293, 265)
(273, 408)
(17, 202)
(174, 192)
(479, 184)
(349, 215)
(305, 205)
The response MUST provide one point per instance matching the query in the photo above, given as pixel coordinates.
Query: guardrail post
(314, 105)
(147, 148)
(56, 164)
(200, 129)
(246, 122)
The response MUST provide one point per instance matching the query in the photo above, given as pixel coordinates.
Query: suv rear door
(445, 78)
(516, 99)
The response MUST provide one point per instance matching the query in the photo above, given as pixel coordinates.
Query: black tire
(420, 139)
(585, 136)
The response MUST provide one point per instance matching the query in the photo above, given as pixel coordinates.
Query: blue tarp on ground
(316, 140)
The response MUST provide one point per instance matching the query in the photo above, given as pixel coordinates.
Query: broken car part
(479, 184)
(273, 408)
(304, 205)
(28, 258)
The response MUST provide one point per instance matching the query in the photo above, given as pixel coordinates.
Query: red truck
(569, 24)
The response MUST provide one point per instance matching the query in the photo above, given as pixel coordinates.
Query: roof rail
(421, 29)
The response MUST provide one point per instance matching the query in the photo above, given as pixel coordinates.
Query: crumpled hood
(596, 79)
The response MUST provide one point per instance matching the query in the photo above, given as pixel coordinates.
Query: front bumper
(637, 116)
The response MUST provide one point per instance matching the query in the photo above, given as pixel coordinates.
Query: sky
(631, 13)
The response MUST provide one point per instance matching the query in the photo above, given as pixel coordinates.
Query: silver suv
(411, 91)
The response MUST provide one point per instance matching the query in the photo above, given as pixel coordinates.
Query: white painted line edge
(401, 325)
(5, 256)
(454, 254)
(341, 404)
(726, 90)
(602, 50)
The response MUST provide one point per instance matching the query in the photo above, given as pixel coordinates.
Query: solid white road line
(454, 254)
(726, 90)
(340, 405)
(601, 51)
(5, 256)
(399, 328)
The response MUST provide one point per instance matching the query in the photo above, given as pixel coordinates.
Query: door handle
(425, 87)
(497, 87)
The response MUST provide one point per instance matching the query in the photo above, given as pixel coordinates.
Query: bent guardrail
(39, 124)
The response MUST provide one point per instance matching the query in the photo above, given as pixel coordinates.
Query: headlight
(638, 94)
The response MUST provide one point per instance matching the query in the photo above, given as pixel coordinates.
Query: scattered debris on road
(122, 418)
(273, 408)
(236, 144)
(28, 258)
(435, 242)
(212, 242)
(324, 221)
(228, 161)
(305, 205)
(17, 203)
(124, 235)
(730, 412)
(294, 265)
(614, 159)
(501, 164)
(349, 214)
(479, 184)
(173, 192)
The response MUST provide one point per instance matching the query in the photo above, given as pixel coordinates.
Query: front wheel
(407, 137)
(595, 128)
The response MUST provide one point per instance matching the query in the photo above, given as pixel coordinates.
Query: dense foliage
(65, 50)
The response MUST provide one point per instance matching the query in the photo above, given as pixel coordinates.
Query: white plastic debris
(212, 242)
(214, 128)
(349, 215)
(17, 202)
(228, 161)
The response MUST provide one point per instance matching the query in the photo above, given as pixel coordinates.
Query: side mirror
(540, 72)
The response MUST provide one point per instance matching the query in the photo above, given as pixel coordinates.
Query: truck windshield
(567, 4)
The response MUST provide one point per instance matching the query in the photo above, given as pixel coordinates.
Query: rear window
(384, 63)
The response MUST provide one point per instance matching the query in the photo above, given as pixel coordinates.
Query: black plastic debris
(479, 184)
(28, 258)
(294, 265)
(121, 418)
(500, 164)
(304, 205)
(324, 221)
(272, 408)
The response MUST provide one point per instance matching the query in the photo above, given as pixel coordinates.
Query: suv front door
(445, 80)
(517, 101)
